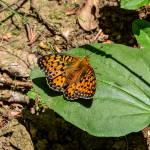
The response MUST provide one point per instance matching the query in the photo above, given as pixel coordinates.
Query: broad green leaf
(122, 101)
(141, 30)
(133, 4)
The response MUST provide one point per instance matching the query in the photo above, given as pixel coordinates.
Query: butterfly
(69, 74)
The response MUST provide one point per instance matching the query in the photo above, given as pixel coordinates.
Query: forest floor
(23, 127)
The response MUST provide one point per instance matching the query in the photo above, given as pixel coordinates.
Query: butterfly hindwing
(70, 92)
(87, 86)
(57, 83)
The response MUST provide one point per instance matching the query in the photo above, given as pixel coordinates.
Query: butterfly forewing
(55, 64)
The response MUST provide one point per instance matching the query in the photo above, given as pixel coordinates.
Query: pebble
(129, 19)
(131, 41)
(103, 38)
(118, 37)
(120, 145)
(5, 94)
(107, 31)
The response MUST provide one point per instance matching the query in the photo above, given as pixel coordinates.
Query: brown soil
(48, 130)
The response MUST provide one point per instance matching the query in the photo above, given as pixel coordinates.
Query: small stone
(114, 34)
(129, 19)
(142, 15)
(101, 15)
(111, 38)
(52, 135)
(57, 146)
(120, 145)
(5, 94)
(80, 43)
(115, 4)
(42, 144)
(103, 18)
(124, 43)
(107, 31)
(119, 41)
(103, 38)
(21, 138)
(131, 41)
(87, 37)
(113, 16)
(118, 37)
(33, 130)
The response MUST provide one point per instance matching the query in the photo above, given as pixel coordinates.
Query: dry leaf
(16, 105)
(57, 49)
(101, 34)
(44, 46)
(88, 15)
(103, 38)
(13, 113)
(130, 37)
(104, 25)
(7, 36)
(71, 11)
(67, 33)
(33, 130)
(1, 103)
(108, 41)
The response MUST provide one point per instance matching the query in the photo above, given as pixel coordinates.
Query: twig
(36, 35)
(32, 7)
(15, 83)
(29, 31)
(97, 35)
(14, 3)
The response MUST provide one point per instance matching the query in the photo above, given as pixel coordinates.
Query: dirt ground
(23, 127)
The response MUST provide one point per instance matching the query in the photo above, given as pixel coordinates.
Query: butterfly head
(86, 58)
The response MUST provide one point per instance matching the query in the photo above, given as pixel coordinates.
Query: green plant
(31, 95)
(41, 103)
(133, 4)
(122, 101)
(72, 37)
(141, 30)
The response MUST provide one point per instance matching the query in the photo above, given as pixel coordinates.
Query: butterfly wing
(70, 92)
(55, 64)
(57, 83)
(56, 67)
(85, 87)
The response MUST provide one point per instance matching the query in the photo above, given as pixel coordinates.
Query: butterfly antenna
(97, 72)
(85, 50)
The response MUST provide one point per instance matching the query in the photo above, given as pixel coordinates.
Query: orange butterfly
(69, 74)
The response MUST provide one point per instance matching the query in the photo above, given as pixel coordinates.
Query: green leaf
(121, 104)
(31, 95)
(37, 108)
(133, 4)
(141, 30)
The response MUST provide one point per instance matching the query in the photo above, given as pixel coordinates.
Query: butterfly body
(69, 74)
